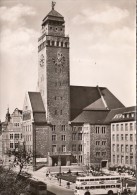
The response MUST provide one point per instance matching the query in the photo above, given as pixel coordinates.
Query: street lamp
(59, 161)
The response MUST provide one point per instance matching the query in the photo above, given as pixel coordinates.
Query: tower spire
(53, 4)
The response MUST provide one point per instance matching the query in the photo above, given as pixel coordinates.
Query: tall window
(122, 159)
(63, 127)
(117, 127)
(63, 137)
(73, 136)
(131, 137)
(80, 147)
(104, 143)
(117, 159)
(117, 147)
(63, 148)
(16, 136)
(126, 126)
(126, 148)
(114, 159)
(16, 145)
(122, 137)
(113, 127)
(113, 147)
(54, 137)
(103, 130)
(53, 127)
(74, 147)
(131, 160)
(97, 143)
(79, 136)
(54, 148)
(126, 159)
(122, 148)
(11, 145)
(97, 154)
(104, 153)
(131, 148)
(117, 137)
(126, 137)
(121, 127)
(131, 126)
(97, 129)
(11, 136)
(80, 158)
(113, 137)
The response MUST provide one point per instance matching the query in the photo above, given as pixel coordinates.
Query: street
(58, 191)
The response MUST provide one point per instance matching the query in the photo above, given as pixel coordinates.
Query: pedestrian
(68, 184)
(119, 191)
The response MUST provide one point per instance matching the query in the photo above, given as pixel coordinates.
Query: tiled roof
(53, 15)
(89, 98)
(91, 116)
(115, 112)
(36, 102)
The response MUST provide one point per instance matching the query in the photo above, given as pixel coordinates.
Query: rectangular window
(55, 112)
(122, 159)
(131, 148)
(97, 129)
(121, 127)
(117, 127)
(54, 137)
(103, 130)
(122, 148)
(126, 148)
(117, 159)
(80, 147)
(117, 137)
(80, 158)
(126, 127)
(131, 160)
(126, 159)
(16, 145)
(97, 143)
(79, 128)
(73, 128)
(73, 136)
(16, 136)
(11, 145)
(113, 137)
(117, 147)
(131, 126)
(114, 159)
(126, 137)
(79, 136)
(104, 143)
(11, 136)
(63, 148)
(53, 127)
(74, 147)
(113, 147)
(63, 137)
(122, 137)
(97, 154)
(54, 148)
(131, 137)
(113, 127)
(63, 127)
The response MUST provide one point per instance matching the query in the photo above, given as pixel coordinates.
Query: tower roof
(53, 15)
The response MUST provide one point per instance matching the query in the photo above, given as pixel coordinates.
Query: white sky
(102, 46)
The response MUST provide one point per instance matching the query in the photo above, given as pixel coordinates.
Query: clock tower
(53, 78)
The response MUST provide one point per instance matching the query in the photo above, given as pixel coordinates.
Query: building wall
(123, 143)
(100, 144)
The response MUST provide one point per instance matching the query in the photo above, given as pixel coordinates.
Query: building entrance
(104, 164)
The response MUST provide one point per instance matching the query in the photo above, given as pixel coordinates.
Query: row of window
(103, 143)
(98, 187)
(121, 137)
(121, 159)
(16, 136)
(28, 138)
(63, 127)
(120, 148)
(77, 128)
(14, 145)
(16, 124)
(100, 130)
(76, 136)
(74, 148)
(122, 127)
(99, 154)
(55, 28)
(27, 128)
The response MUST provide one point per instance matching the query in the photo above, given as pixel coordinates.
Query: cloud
(16, 13)
(110, 15)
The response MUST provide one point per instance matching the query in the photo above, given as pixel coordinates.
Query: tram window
(81, 188)
(95, 179)
(102, 179)
(86, 179)
(92, 187)
(103, 187)
(107, 178)
(117, 186)
(82, 180)
(108, 186)
(112, 186)
(87, 187)
(97, 187)
(91, 180)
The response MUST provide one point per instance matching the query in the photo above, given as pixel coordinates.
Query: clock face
(42, 60)
(60, 60)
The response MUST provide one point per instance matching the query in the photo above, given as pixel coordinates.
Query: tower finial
(53, 4)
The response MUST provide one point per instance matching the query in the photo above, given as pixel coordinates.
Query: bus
(98, 185)
(37, 187)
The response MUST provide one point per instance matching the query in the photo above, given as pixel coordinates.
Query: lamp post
(59, 161)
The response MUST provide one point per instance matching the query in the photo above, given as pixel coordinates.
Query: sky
(102, 46)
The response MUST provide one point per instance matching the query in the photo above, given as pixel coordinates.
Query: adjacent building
(123, 136)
